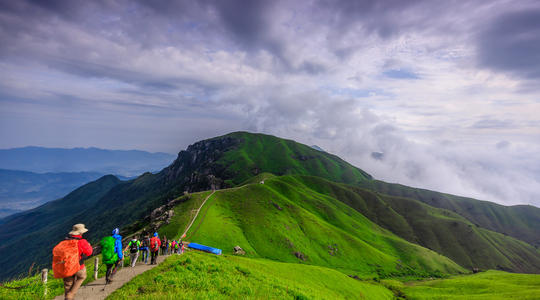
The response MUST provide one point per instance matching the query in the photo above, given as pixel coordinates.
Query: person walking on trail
(155, 244)
(182, 247)
(145, 248)
(169, 247)
(68, 260)
(164, 245)
(133, 247)
(111, 250)
(173, 246)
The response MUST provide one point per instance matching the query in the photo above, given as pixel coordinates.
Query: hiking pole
(44, 274)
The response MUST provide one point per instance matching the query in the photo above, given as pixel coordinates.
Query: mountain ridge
(122, 162)
(216, 163)
(22, 190)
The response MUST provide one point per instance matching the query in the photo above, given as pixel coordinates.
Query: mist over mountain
(119, 162)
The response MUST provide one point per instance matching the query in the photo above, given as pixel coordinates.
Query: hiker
(111, 250)
(164, 245)
(133, 247)
(169, 247)
(177, 247)
(182, 247)
(145, 248)
(173, 246)
(155, 244)
(72, 271)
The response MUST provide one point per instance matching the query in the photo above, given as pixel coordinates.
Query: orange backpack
(66, 258)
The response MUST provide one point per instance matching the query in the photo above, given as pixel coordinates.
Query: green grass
(519, 221)
(234, 159)
(182, 215)
(286, 216)
(34, 288)
(461, 240)
(258, 153)
(441, 230)
(490, 285)
(196, 275)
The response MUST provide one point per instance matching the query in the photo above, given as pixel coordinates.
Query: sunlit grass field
(285, 218)
(490, 285)
(197, 275)
(33, 288)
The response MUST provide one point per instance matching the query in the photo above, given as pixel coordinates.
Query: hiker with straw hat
(68, 260)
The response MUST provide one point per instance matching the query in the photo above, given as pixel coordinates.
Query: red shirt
(84, 248)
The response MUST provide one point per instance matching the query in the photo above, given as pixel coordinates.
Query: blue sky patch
(401, 74)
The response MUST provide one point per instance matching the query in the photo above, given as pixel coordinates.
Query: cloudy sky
(442, 95)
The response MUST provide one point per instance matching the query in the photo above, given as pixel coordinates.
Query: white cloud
(158, 78)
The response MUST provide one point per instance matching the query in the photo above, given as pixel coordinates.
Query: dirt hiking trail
(97, 290)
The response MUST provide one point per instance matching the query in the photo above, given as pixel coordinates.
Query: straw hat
(78, 229)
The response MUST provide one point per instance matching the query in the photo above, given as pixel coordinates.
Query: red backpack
(154, 244)
(66, 258)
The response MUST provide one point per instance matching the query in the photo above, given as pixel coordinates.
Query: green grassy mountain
(285, 220)
(286, 204)
(27, 237)
(519, 221)
(256, 153)
(218, 162)
(234, 159)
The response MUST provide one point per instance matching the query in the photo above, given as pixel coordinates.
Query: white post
(96, 267)
(44, 274)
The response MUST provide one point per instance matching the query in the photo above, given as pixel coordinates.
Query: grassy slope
(438, 229)
(490, 285)
(283, 216)
(265, 153)
(49, 223)
(462, 241)
(34, 289)
(131, 201)
(124, 203)
(205, 276)
(520, 221)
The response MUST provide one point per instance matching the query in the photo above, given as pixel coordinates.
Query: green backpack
(107, 250)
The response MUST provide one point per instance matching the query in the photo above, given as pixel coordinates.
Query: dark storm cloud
(352, 75)
(380, 17)
(244, 25)
(511, 43)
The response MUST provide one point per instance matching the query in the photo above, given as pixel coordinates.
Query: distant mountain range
(31, 176)
(22, 190)
(127, 163)
(287, 202)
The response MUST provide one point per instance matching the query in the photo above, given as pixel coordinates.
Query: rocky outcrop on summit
(196, 166)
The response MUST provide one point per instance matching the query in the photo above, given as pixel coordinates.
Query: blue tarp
(204, 248)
